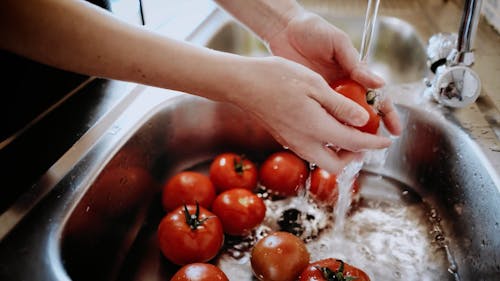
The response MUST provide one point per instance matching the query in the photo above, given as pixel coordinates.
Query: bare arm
(294, 103)
(265, 18)
(296, 34)
(80, 37)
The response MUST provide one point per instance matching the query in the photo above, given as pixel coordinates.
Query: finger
(354, 140)
(343, 109)
(348, 58)
(341, 158)
(390, 117)
(365, 77)
(327, 129)
(326, 158)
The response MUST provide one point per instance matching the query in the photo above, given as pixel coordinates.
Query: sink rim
(108, 144)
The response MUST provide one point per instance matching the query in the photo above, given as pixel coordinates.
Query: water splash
(344, 183)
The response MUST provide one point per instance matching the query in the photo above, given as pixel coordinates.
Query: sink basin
(430, 212)
(396, 53)
(433, 173)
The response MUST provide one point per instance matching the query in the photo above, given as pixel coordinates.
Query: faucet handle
(439, 48)
(456, 86)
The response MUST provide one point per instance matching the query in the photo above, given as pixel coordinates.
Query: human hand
(302, 112)
(313, 42)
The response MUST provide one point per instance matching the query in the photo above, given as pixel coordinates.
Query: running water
(346, 179)
(344, 183)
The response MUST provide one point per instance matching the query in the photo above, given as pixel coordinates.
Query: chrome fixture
(450, 57)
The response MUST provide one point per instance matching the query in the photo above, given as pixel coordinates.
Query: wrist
(222, 77)
(282, 21)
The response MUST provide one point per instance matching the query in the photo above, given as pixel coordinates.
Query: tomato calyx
(193, 220)
(371, 99)
(335, 275)
(371, 96)
(239, 166)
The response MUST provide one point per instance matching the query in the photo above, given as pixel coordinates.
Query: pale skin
(287, 93)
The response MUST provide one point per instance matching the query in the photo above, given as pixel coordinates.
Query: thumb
(348, 58)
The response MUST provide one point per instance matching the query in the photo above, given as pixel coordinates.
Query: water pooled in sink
(389, 234)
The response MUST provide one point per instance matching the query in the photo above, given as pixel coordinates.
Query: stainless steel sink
(397, 53)
(436, 186)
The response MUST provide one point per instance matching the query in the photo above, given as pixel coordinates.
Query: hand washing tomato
(280, 256)
(190, 234)
(240, 211)
(199, 272)
(230, 170)
(332, 269)
(354, 91)
(188, 188)
(283, 173)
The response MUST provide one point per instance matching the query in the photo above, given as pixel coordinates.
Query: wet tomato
(332, 269)
(359, 94)
(280, 256)
(324, 187)
(230, 170)
(283, 173)
(188, 188)
(240, 211)
(190, 234)
(199, 272)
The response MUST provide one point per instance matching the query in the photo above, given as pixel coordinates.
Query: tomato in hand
(239, 210)
(280, 256)
(230, 170)
(188, 188)
(199, 272)
(190, 234)
(283, 173)
(324, 187)
(332, 269)
(359, 94)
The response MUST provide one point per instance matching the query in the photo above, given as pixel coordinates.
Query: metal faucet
(450, 57)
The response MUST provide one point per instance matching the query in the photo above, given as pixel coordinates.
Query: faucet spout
(467, 30)
(451, 56)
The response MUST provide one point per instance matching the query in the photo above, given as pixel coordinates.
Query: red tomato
(332, 269)
(190, 234)
(280, 256)
(324, 186)
(188, 188)
(283, 173)
(240, 211)
(229, 170)
(199, 272)
(358, 93)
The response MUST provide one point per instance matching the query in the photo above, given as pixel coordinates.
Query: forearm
(264, 17)
(79, 37)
